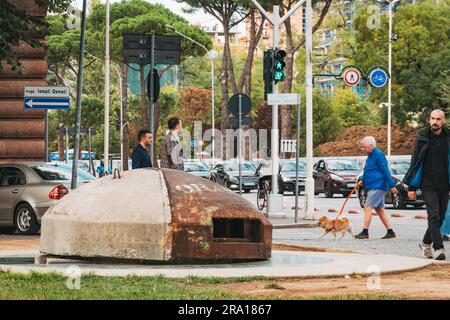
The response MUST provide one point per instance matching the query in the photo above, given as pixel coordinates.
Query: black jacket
(413, 176)
(140, 158)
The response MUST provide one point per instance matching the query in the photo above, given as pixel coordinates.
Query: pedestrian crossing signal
(278, 66)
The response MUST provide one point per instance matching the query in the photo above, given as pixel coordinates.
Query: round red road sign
(351, 76)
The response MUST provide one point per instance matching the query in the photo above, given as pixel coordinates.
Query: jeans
(436, 202)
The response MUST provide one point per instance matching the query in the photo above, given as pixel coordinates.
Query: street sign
(351, 75)
(233, 104)
(46, 92)
(46, 97)
(288, 145)
(378, 77)
(234, 121)
(283, 99)
(137, 49)
(71, 131)
(46, 103)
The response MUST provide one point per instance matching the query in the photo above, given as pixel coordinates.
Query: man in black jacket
(140, 157)
(429, 172)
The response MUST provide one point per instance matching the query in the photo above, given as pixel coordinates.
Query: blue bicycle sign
(378, 77)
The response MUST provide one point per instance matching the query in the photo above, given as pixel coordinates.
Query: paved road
(409, 230)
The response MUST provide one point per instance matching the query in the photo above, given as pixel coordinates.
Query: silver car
(27, 191)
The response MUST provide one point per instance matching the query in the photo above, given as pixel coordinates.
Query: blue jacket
(140, 158)
(376, 174)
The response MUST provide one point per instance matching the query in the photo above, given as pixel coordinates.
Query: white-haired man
(377, 179)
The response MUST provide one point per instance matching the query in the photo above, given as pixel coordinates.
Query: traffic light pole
(152, 105)
(275, 200)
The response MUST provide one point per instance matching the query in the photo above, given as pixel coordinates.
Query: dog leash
(348, 197)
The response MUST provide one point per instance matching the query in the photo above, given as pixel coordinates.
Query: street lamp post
(211, 56)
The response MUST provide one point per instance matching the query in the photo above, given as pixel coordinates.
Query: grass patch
(274, 285)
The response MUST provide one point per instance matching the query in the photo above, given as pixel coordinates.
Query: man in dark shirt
(431, 148)
(140, 157)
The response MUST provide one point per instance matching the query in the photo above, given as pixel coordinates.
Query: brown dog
(338, 225)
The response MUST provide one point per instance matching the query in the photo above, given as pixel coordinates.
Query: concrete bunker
(155, 215)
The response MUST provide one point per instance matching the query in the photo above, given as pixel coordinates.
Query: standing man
(377, 179)
(429, 172)
(171, 150)
(140, 157)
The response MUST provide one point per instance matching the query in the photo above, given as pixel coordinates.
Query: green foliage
(349, 107)
(420, 56)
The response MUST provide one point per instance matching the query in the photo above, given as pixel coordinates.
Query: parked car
(286, 176)
(26, 192)
(81, 164)
(197, 168)
(336, 176)
(82, 175)
(227, 174)
(398, 167)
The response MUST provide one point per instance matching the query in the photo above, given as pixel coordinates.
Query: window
(13, 177)
(51, 174)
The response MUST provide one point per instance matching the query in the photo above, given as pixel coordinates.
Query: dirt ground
(428, 283)
(432, 282)
(346, 142)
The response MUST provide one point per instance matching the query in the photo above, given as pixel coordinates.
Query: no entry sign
(352, 76)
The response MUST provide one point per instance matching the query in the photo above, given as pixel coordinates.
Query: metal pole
(79, 97)
(107, 66)
(297, 155)
(240, 145)
(213, 136)
(46, 136)
(121, 118)
(67, 146)
(309, 183)
(152, 105)
(274, 135)
(390, 77)
(89, 150)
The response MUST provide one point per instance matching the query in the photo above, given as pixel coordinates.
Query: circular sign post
(351, 75)
(378, 77)
(233, 104)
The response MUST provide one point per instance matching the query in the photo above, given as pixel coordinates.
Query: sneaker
(426, 250)
(362, 235)
(439, 254)
(389, 235)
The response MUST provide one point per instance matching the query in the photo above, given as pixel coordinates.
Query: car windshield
(51, 174)
(244, 167)
(290, 166)
(190, 167)
(67, 169)
(343, 165)
(399, 167)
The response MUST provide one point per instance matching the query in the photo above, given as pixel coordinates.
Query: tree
(17, 26)
(195, 105)
(350, 108)
(419, 56)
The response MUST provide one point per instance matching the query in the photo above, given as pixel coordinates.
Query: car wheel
(362, 195)
(398, 201)
(25, 220)
(328, 191)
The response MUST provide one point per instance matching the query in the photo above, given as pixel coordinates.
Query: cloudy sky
(174, 6)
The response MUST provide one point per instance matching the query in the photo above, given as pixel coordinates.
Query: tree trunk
(225, 92)
(60, 138)
(144, 112)
(126, 138)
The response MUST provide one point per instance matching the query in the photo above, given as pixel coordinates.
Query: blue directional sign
(46, 103)
(378, 77)
(46, 97)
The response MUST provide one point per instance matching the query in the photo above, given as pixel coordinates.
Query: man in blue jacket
(429, 172)
(377, 179)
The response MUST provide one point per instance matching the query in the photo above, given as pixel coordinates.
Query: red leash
(348, 197)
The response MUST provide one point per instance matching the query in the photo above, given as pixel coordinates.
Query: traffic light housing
(267, 73)
(278, 72)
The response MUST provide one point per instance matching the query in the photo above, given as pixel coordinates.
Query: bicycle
(262, 194)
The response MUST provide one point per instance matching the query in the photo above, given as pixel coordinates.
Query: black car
(286, 176)
(398, 167)
(227, 174)
(335, 176)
